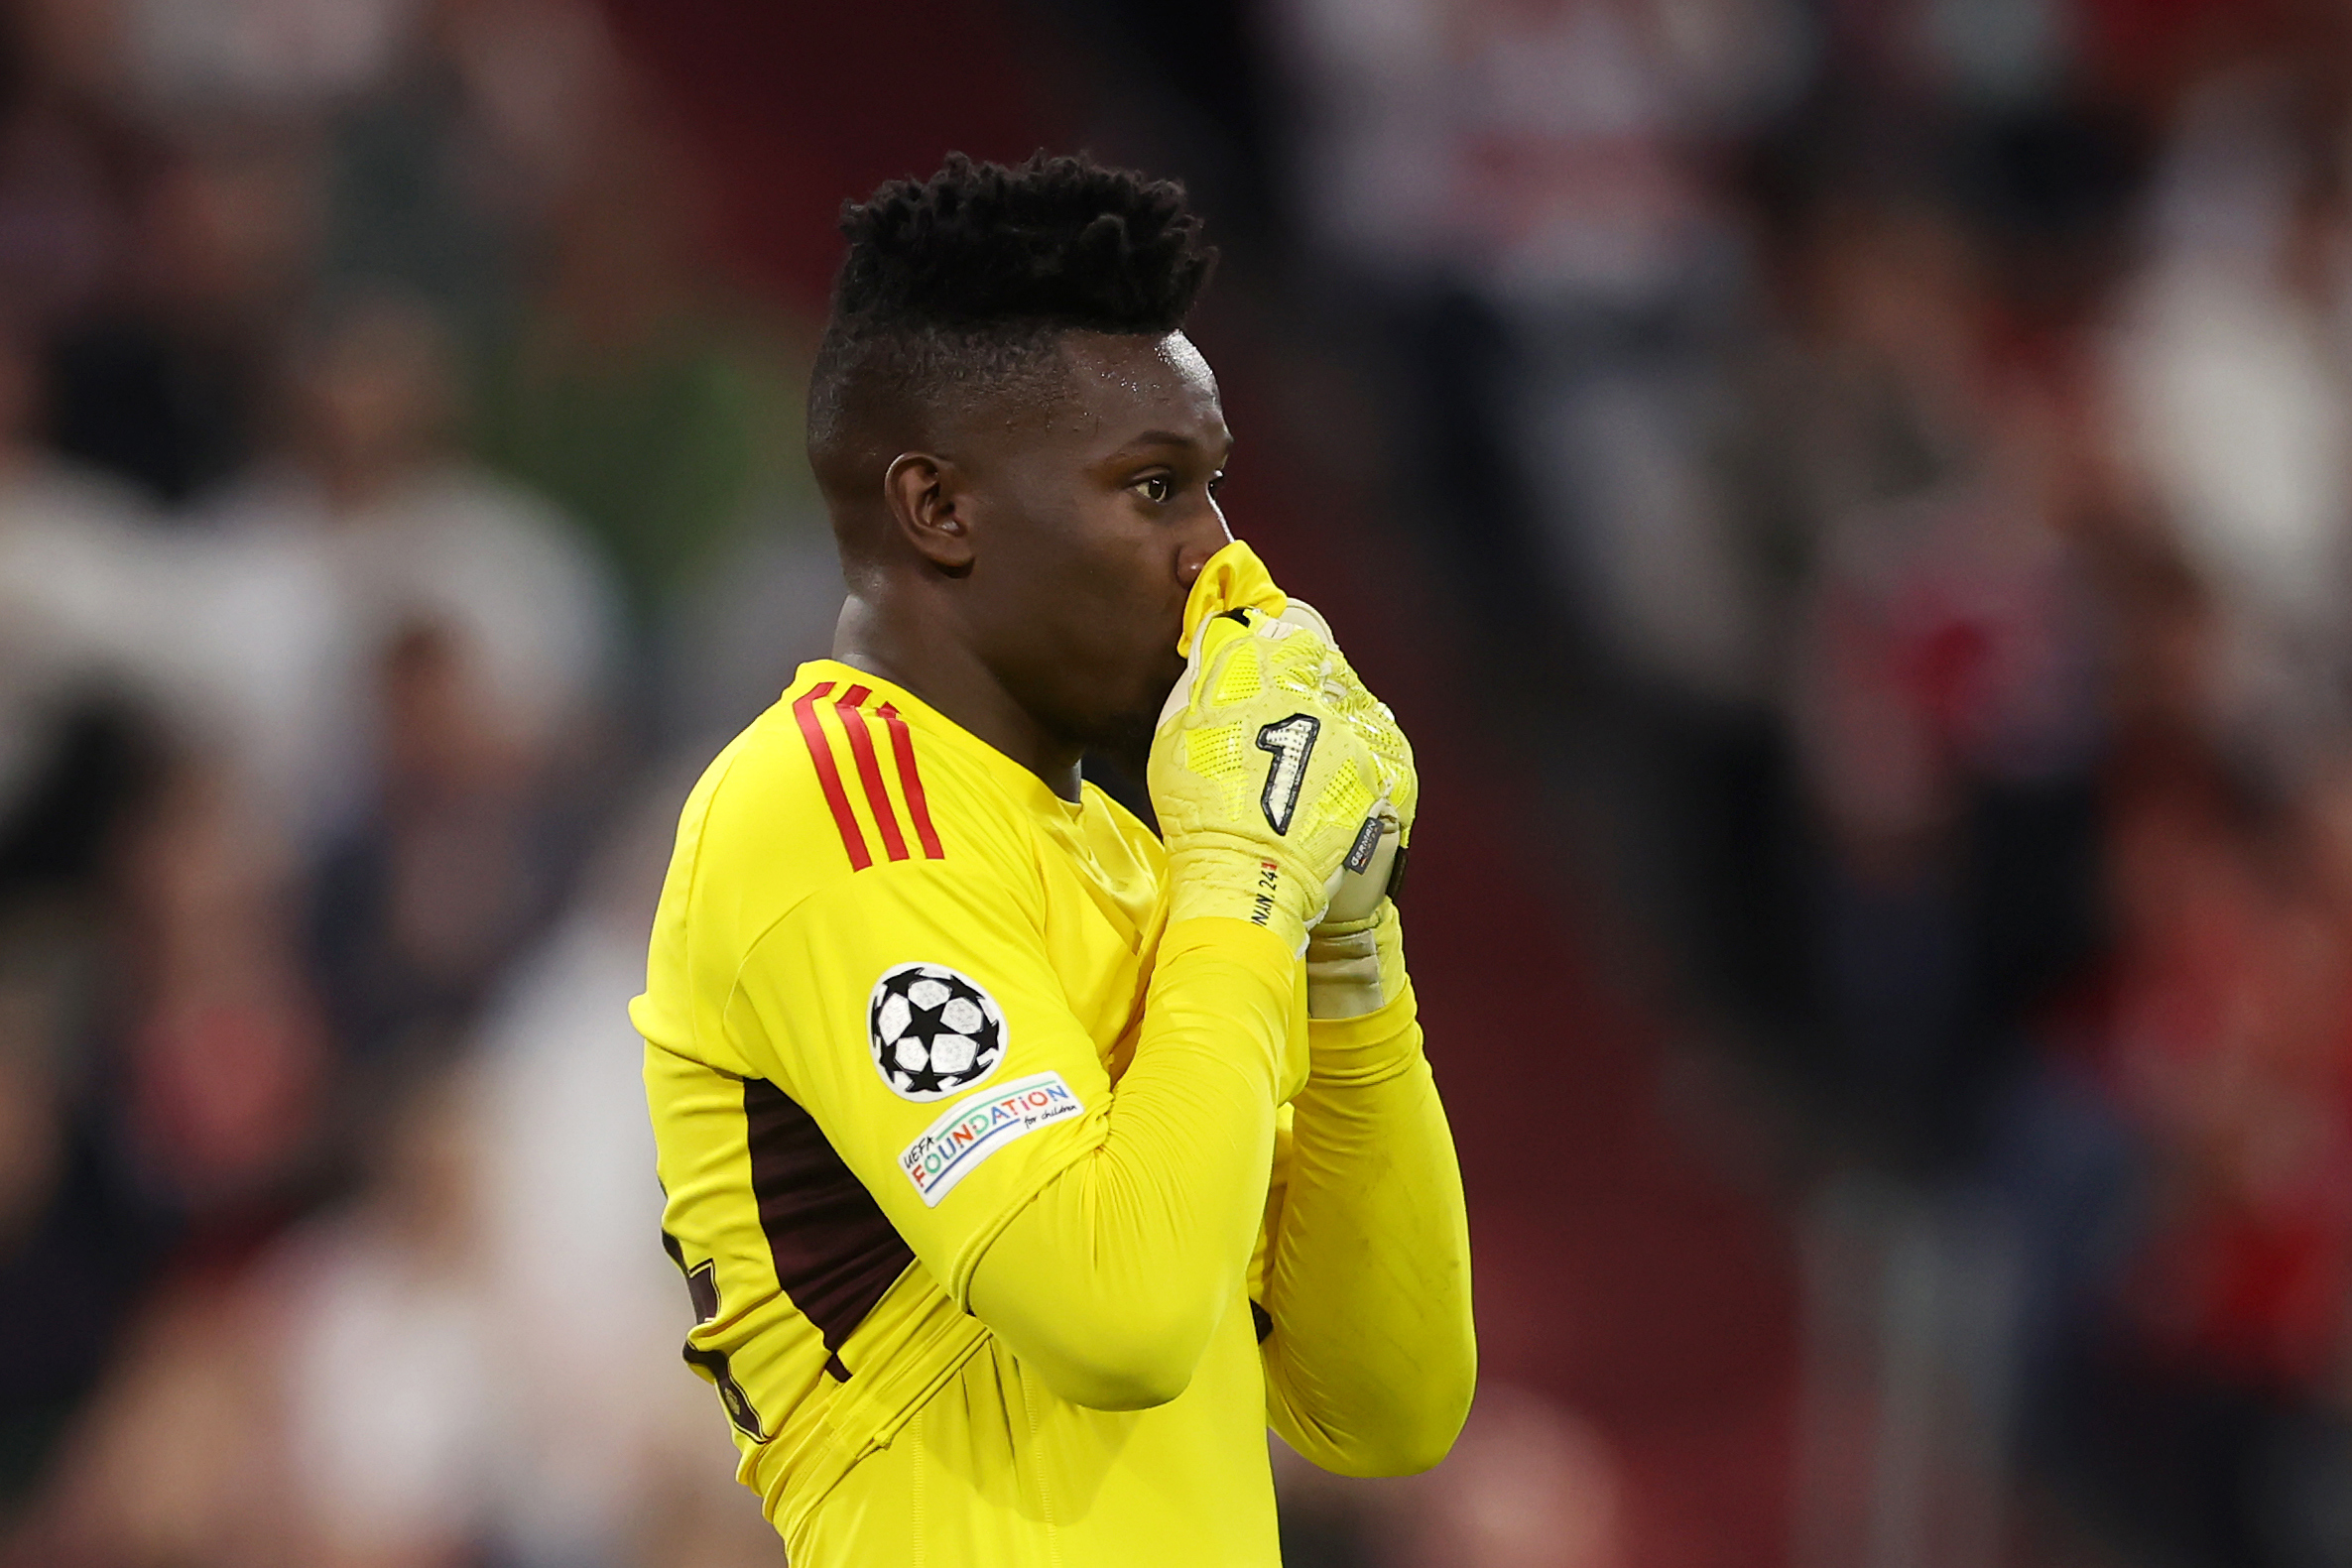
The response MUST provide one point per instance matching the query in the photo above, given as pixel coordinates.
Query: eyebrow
(1168, 438)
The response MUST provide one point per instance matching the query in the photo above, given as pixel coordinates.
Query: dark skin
(1023, 566)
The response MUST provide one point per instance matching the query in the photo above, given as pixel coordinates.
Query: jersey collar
(1017, 780)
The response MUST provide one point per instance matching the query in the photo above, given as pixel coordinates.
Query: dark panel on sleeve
(834, 1251)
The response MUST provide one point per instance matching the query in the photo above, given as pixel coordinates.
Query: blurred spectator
(442, 178)
(423, 905)
(162, 380)
(77, 1244)
(1945, 710)
(2233, 384)
(631, 1453)
(389, 1350)
(665, 424)
(81, 587)
(223, 1051)
(1534, 149)
(258, 627)
(178, 1458)
(469, 656)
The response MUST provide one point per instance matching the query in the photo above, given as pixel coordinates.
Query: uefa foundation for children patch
(974, 1128)
(934, 1031)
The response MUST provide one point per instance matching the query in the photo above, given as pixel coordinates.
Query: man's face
(1092, 513)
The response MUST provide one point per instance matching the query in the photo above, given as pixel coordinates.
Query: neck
(921, 652)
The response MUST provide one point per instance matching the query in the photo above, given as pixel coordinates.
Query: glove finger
(1361, 882)
(1211, 638)
(1300, 613)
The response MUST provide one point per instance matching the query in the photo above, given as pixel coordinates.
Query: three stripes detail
(869, 772)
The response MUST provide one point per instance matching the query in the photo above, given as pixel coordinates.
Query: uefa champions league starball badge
(934, 1031)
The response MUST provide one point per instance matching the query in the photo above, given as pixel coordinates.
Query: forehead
(1120, 383)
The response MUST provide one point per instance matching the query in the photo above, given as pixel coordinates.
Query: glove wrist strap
(1355, 968)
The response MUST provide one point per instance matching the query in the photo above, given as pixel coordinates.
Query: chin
(1122, 727)
(1123, 733)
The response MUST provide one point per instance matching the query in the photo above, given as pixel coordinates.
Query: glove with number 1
(1355, 954)
(1263, 790)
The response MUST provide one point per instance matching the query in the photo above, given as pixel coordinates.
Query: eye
(1156, 488)
(1216, 481)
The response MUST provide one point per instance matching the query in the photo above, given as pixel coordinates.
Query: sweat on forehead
(1159, 382)
(1153, 365)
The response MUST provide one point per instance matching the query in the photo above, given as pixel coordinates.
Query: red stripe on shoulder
(902, 745)
(869, 772)
(820, 752)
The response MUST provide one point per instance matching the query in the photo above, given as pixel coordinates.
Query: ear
(928, 504)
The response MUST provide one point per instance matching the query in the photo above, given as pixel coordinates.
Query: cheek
(1126, 611)
(1106, 560)
(1088, 607)
(1135, 577)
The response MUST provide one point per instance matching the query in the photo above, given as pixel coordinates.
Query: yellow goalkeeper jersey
(893, 982)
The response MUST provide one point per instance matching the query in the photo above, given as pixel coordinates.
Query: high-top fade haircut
(959, 286)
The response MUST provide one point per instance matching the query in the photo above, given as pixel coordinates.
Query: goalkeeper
(1024, 1168)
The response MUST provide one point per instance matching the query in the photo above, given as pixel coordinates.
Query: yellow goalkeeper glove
(1355, 954)
(1264, 784)
(1367, 880)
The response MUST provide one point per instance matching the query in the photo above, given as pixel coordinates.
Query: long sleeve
(1111, 1281)
(1371, 1357)
(1101, 1232)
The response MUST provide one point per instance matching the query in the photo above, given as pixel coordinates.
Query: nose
(1194, 553)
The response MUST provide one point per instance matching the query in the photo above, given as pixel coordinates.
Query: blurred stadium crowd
(1943, 476)
(1906, 446)
(1871, 478)
(384, 483)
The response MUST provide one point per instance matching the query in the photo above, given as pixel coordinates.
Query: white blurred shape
(1529, 1485)
(1525, 148)
(284, 606)
(272, 51)
(1652, 534)
(2240, 418)
(80, 590)
(571, 1219)
(392, 1414)
(2230, 384)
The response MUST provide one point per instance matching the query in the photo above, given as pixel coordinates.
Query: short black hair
(955, 280)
